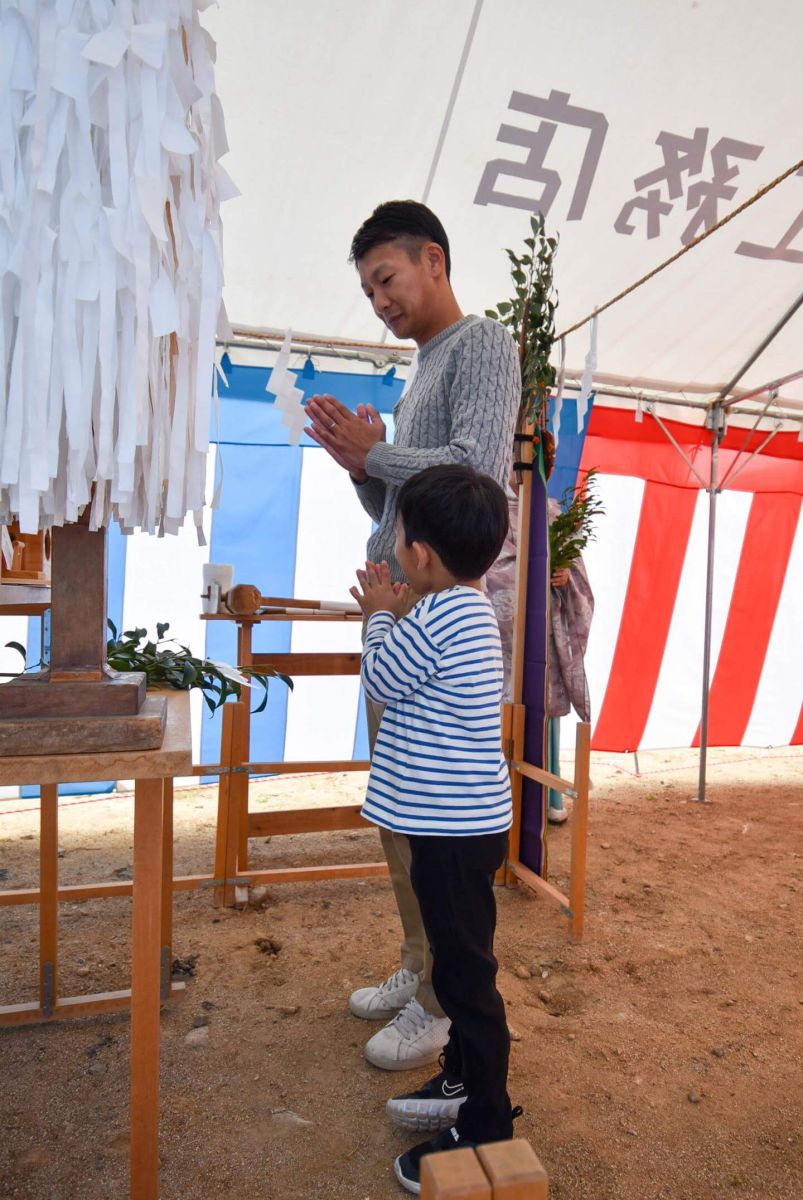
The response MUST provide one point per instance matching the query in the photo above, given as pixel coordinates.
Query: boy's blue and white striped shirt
(437, 766)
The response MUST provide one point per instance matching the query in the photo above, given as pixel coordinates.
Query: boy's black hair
(400, 220)
(460, 513)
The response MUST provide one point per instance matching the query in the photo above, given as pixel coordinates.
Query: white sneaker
(379, 1003)
(412, 1039)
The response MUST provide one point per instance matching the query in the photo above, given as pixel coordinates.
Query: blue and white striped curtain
(290, 523)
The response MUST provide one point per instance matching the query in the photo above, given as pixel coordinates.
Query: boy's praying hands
(379, 593)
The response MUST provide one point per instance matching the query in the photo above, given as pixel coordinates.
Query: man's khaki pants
(415, 953)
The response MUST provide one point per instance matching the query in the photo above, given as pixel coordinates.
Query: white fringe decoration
(110, 260)
(289, 398)
(587, 379)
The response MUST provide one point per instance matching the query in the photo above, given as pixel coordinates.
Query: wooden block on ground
(454, 1175)
(514, 1170)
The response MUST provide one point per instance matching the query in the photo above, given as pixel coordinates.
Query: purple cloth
(558, 619)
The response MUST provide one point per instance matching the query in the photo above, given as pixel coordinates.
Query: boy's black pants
(453, 880)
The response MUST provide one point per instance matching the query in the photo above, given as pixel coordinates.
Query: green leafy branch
(167, 663)
(573, 528)
(530, 317)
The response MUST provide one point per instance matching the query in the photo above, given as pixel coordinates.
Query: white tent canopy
(332, 108)
(635, 128)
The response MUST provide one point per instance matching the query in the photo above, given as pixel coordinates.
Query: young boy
(438, 775)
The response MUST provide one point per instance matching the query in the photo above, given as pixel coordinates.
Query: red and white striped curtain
(648, 569)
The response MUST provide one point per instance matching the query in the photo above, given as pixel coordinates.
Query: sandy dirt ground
(658, 1059)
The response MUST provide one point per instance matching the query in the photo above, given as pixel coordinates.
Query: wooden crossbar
(314, 874)
(323, 663)
(301, 768)
(286, 614)
(73, 1006)
(77, 893)
(306, 820)
(546, 777)
(539, 884)
(283, 768)
(573, 905)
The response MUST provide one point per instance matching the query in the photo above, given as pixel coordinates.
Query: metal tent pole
(759, 350)
(717, 420)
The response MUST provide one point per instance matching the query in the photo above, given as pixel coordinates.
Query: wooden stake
(48, 896)
(145, 988)
(524, 451)
(517, 742)
(579, 828)
(225, 837)
(507, 749)
(238, 792)
(522, 559)
(167, 890)
(242, 746)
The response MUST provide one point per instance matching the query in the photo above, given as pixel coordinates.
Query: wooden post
(514, 1171)
(579, 828)
(519, 636)
(454, 1175)
(166, 961)
(522, 559)
(238, 790)
(516, 783)
(48, 897)
(146, 988)
(507, 749)
(78, 591)
(242, 745)
(226, 836)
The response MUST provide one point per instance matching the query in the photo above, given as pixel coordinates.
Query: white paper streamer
(587, 380)
(556, 412)
(111, 257)
(289, 398)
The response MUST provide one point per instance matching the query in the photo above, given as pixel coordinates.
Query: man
(460, 407)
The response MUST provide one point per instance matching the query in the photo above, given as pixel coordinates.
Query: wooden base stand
(74, 694)
(78, 704)
(85, 735)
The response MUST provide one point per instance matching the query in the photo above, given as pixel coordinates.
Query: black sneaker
(434, 1106)
(408, 1166)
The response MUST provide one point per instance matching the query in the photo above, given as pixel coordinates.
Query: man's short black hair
(400, 220)
(460, 513)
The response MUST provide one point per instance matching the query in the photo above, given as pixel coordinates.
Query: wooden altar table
(153, 772)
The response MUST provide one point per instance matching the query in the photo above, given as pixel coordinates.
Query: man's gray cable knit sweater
(460, 407)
